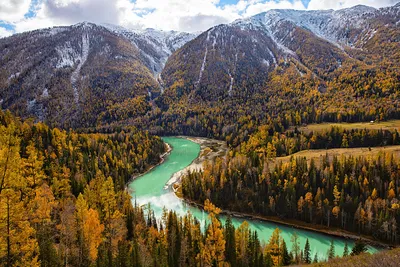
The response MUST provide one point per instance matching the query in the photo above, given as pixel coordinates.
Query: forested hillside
(283, 67)
(385, 258)
(279, 68)
(358, 194)
(63, 194)
(85, 74)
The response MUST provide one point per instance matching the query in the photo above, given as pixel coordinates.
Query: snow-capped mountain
(71, 76)
(155, 45)
(241, 54)
(331, 25)
(51, 73)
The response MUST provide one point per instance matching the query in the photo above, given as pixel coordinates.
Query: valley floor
(317, 154)
(209, 150)
(387, 258)
(384, 125)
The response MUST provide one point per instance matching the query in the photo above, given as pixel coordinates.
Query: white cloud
(259, 7)
(334, 4)
(4, 32)
(188, 15)
(191, 15)
(13, 10)
(67, 12)
(200, 22)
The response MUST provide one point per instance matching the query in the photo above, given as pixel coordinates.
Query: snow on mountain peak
(154, 45)
(330, 25)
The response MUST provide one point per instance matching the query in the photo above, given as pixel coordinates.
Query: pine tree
(286, 258)
(307, 253)
(315, 258)
(331, 251)
(268, 260)
(359, 247)
(230, 243)
(346, 250)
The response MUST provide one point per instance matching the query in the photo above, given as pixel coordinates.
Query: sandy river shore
(209, 149)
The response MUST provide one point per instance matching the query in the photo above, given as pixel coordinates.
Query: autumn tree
(296, 250)
(214, 246)
(273, 247)
(89, 228)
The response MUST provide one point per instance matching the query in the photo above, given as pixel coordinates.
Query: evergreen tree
(346, 250)
(307, 253)
(230, 243)
(286, 258)
(331, 251)
(359, 247)
(315, 258)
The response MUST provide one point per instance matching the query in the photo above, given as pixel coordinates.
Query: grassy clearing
(385, 125)
(387, 258)
(356, 152)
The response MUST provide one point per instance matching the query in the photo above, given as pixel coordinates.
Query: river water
(150, 188)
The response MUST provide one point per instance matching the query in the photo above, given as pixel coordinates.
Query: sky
(181, 15)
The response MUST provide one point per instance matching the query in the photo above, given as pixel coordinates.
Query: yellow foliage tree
(89, 227)
(214, 247)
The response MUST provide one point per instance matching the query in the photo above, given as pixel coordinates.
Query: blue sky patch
(6, 26)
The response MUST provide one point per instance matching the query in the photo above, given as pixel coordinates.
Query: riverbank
(162, 159)
(322, 229)
(209, 149)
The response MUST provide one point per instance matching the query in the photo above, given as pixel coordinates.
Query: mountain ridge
(153, 70)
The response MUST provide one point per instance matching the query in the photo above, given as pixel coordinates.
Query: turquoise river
(151, 188)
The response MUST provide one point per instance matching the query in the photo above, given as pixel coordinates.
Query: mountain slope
(323, 65)
(83, 75)
(284, 67)
(155, 46)
(246, 51)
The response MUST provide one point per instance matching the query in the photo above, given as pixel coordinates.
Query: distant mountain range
(316, 42)
(73, 76)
